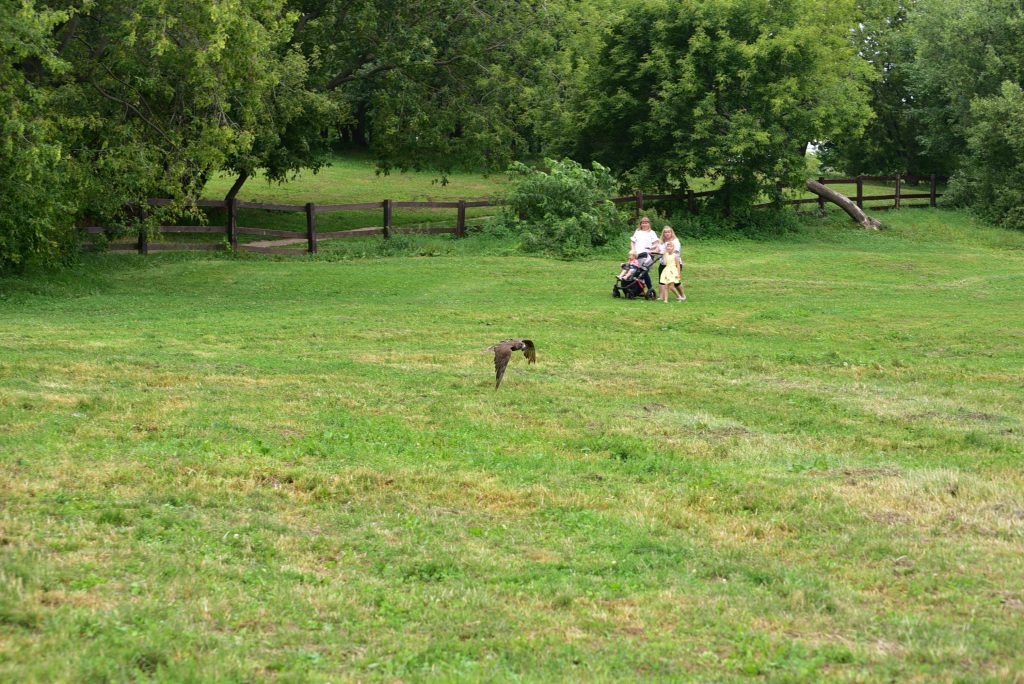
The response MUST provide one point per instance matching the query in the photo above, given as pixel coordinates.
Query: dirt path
(277, 243)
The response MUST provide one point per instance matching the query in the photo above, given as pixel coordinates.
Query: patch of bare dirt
(1010, 601)
(890, 518)
(854, 475)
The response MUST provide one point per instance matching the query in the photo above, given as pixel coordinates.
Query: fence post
(821, 200)
(460, 221)
(639, 203)
(233, 223)
(387, 219)
(143, 241)
(860, 192)
(932, 190)
(691, 202)
(311, 226)
(899, 182)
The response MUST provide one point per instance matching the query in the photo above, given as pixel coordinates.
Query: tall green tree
(733, 90)
(990, 176)
(563, 83)
(964, 50)
(36, 205)
(162, 93)
(433, 83)
(889, 143)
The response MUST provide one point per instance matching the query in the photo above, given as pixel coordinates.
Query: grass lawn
(218, 468)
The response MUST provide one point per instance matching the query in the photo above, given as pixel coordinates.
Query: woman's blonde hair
(667, 229)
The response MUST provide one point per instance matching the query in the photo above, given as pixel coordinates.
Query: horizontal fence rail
(231, 230)
(311, 236)
(897, 196)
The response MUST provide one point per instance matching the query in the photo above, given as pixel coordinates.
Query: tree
(731, 90)
(889, 143)
(36, 209)
(964, 49)
(991, 173)
(124, 101)
(162, 93)
(562, 81)
(433, 83)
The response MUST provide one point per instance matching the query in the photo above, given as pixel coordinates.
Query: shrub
(751, 223)
(565, 211)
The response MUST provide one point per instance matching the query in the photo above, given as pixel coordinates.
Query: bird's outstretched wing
(502, 353)
(530, 351)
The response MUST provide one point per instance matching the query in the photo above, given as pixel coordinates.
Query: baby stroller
(632, 285)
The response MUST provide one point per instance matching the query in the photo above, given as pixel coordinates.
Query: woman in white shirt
(644, 240)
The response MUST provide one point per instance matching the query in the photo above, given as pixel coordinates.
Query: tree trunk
(239, 182)
(844, 203)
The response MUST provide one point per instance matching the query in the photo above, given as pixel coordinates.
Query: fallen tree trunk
(844, 203)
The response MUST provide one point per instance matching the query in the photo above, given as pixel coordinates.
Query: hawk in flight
(503, 352)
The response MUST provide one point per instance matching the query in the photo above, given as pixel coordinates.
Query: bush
(991, 176)
(751, 223)
(566, 211)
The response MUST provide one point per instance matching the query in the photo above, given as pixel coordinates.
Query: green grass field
(218, 468)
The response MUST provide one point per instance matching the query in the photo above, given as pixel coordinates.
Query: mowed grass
(236, 469)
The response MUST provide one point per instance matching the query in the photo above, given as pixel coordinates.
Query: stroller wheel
(616, 293)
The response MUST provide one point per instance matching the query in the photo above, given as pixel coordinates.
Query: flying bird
(503, 352)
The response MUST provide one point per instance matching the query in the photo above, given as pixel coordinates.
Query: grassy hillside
(353, 178)
(217, 468)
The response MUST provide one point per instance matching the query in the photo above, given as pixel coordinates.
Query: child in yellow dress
(670, 276)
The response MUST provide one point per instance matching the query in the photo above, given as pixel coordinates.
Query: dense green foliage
(35, 214)
(731, 91)
(167, 92)
(944, 67)
(991, 176)
(240, 469)
(132, 100)
(969, 67)
(436, 84)
(564, 211)
(965, 50)
(889, 143)
(937, 60)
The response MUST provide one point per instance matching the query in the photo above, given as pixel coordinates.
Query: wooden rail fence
(231, 230)
(898, 196)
